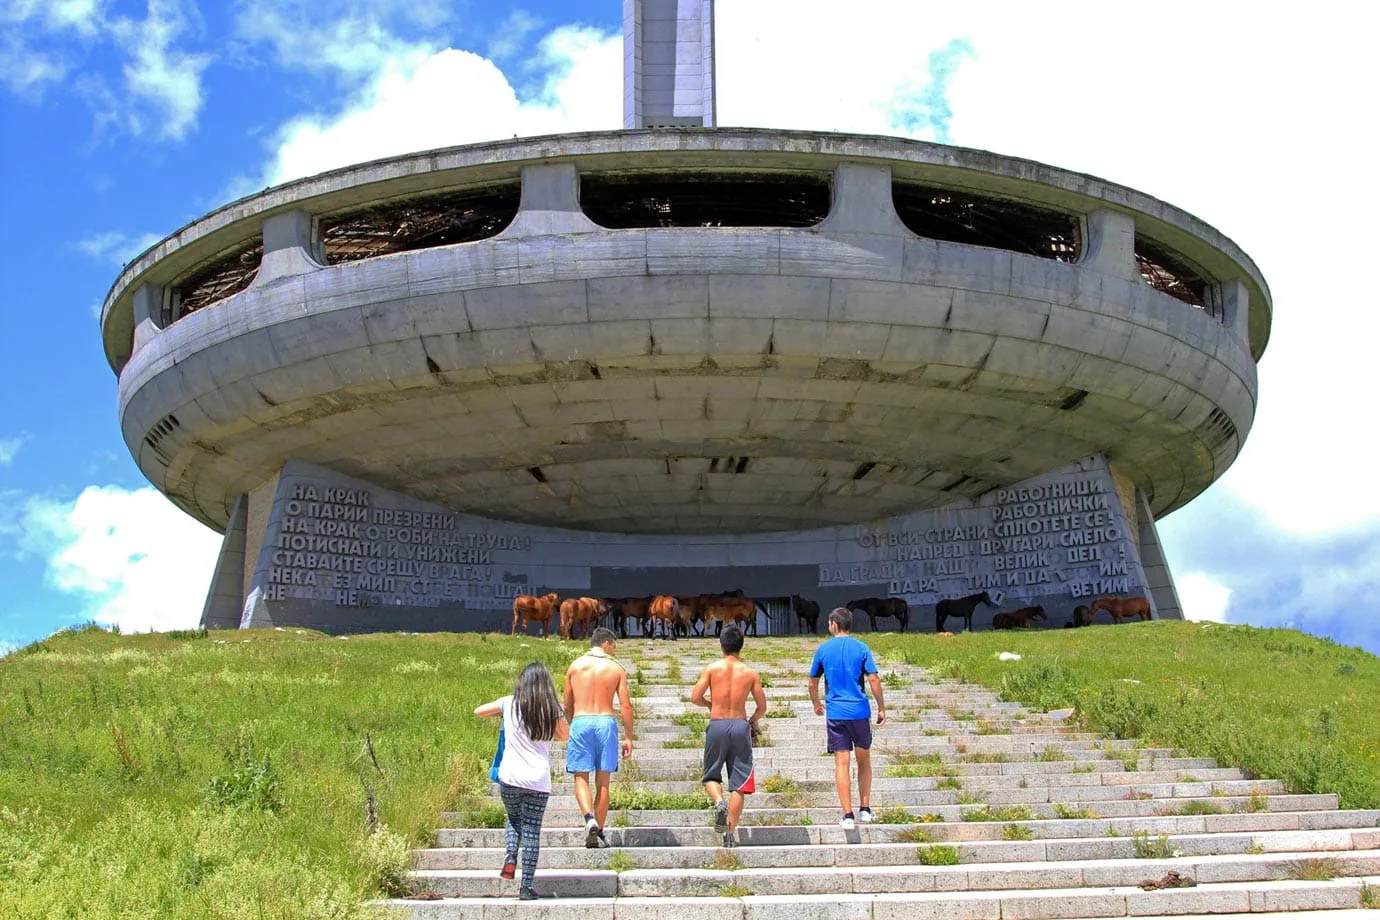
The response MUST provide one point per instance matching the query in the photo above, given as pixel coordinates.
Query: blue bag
(498, 757)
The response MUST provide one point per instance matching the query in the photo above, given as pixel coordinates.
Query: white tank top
(526, 764)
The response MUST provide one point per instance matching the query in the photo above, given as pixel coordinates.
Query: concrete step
(574, 898)
(700, 834)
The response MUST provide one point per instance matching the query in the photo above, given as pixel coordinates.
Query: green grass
(1314, 870)
(1016, 832)
(235, 775)
(986, 757)
(1370, 897)
(1073, 813)
(778, 783)
(734, 890)
(908, 764)
(949, 782)
(1207, 689)
(620, 861)
(937, 855)
(1147, 847)
(913, 834)
(893, 681)
(999, 813)
(1190, 808)
(1051, 754)
(782, 712)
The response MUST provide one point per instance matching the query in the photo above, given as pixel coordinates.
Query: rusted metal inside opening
(724, 200)
(226, 276)
(1167, 271)
(420, 223)
(962, 217)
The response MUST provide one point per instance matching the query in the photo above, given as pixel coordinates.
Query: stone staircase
(985, 811)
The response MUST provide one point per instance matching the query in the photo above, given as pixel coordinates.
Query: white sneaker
(865, 816)
(847, 823)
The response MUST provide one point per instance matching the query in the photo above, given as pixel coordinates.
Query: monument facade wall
(341, 555)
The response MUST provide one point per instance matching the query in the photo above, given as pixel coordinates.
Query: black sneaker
(528, 894)
(721, 816)
(730, 840)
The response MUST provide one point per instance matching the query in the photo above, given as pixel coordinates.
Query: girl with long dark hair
(532, 719)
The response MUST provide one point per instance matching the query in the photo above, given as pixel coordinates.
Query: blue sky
(124, 120)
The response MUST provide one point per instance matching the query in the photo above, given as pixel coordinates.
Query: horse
(624, 608)
(666, 611)
(876, 607)
(1082, 616)
(749, 626)
(527, 607)
(576, 611)
(806, 611)
(960, 607)
(1123, 608)
(723, 609)
(691, 613)
(1018, 619)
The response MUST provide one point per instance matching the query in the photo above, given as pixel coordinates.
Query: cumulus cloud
(424, 101)
(131, 557)
(116, 247)
(34, 51)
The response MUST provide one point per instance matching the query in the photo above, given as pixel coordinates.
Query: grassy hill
(283, 773)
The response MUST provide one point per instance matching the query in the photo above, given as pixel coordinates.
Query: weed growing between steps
(1370, 897)
(237, 774)
(1273, 702)
(999, 813)
(1073, 813)
(937, 855)
(1016, 832)
(914, 834)
(1314, 870)
(1147, 847)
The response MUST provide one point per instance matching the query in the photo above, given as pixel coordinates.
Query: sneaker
(721, 816)
(730, 840)
(509, 869)
(847, 822)
(593, 834)
(528, 894)
(865, 815)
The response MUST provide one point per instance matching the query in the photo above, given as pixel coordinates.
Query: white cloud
(1202, 597)
(132, 557)
(425, 101)
(159, 88)
(116, 247)
(10, 447)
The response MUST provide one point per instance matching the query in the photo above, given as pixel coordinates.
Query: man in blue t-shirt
(844, 663)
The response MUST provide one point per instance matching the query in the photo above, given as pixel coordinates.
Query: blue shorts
(593, 745)
(847, 734)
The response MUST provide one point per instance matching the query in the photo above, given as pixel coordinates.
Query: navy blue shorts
(847, 734)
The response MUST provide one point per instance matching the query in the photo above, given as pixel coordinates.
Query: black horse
(960, 607)
(806, 611)
(876, 607)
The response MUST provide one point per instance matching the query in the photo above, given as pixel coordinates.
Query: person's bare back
(728, 683)
(591, 684)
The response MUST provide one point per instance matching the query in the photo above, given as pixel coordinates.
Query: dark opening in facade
(420, 223)
(963, 217)
(629, 202)
(218, 280)
(1167, 271)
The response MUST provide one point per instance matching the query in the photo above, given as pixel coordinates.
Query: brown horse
(1082, 616)
(624, 608)
(1018, 619)
(691, 613)
(665, 610)
(578, 611)
(723, 609)
(526, 607)
(1123, 608)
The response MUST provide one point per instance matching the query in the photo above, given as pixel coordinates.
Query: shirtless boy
(728, 741)
(590, 686)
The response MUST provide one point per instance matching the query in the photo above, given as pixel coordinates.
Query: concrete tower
(684, 360)
(668, 63)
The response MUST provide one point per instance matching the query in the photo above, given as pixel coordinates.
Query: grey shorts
(728, 743)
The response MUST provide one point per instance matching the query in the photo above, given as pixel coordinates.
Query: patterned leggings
(525, 809)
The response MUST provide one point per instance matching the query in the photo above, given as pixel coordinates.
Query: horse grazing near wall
(806, 611)
(1018, 619)
(1123, 608)
(882, 607)
(1082, 616)
(526, 607)
(962, 607)
(581, 611)
(664, 610)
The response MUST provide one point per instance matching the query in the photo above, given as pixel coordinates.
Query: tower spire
(668, 63)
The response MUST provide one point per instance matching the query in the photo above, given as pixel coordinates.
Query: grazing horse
(960, 607)
(577, 611)
(729, 609)
(1123, 608)
(666, 611)
(806, 611)
(1018, 619)
(526, 608)
(876, 607)
(691, 613)
(1082, 616)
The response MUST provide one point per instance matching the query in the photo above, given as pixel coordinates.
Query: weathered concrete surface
(668, 63)
(343, 555)
(688, 380)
